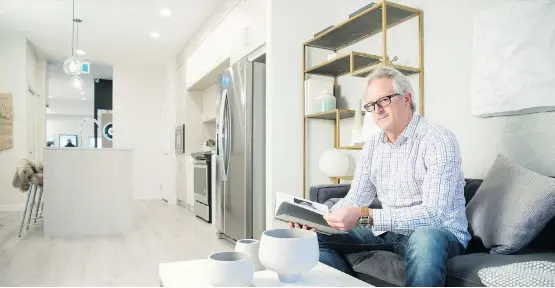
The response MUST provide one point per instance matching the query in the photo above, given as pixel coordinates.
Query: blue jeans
(426, 251)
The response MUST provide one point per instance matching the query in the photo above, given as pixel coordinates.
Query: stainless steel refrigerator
(240, 151)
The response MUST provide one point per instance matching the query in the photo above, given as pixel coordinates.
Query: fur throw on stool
(29, 173)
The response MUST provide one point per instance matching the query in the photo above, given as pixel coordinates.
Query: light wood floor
(161, 233)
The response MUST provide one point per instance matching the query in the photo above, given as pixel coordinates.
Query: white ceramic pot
(229, 269)
(289, 252)
(250, 246)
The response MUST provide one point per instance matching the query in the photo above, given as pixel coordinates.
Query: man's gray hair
(401, 84)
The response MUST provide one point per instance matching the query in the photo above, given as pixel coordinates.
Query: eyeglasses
(382, 102)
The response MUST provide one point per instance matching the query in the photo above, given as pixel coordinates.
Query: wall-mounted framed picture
(68, 140)
(180, 139)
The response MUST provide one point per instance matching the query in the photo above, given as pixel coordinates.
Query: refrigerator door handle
(223, 133)
(229, 134)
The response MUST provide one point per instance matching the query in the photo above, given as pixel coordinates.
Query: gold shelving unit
(372, 21)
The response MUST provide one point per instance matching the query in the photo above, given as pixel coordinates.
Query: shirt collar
(409, 132)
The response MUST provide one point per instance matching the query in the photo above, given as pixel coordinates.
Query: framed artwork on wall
(180, 139)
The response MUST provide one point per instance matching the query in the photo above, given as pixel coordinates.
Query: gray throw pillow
(511, 207)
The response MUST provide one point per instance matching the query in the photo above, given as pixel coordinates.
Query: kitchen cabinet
(209, 104)
(241, 32)
(251, 28)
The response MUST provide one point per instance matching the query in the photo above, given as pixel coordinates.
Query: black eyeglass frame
(371, 107)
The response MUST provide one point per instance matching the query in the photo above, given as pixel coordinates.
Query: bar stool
(34, 191)
(30, 177)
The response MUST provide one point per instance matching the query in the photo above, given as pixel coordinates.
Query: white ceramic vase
(289, 252)
(229, 269)
(250, 246)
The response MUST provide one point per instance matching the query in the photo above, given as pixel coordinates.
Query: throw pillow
(511, 207)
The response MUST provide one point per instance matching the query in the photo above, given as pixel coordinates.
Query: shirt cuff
(382, 219)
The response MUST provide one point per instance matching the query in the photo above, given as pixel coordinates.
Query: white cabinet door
(251, 30)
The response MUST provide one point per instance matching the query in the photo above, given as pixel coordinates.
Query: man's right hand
(298, 226)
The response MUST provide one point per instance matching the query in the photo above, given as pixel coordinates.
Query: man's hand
(344, 218)
(298, 226)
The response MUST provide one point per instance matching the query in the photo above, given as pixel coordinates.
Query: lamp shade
(334, 163)
(72, 66)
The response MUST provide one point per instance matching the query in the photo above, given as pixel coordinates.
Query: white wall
(36, 115)
(289, 24)
(20, 70)
(139, 94)
(13, 80)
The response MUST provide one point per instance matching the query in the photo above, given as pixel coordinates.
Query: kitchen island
(87, 191)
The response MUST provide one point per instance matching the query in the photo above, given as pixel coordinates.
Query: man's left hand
(344, 218)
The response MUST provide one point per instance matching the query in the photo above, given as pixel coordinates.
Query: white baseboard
(11, 208)
(185, 205)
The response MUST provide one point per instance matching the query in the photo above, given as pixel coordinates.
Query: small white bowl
(289, 252)
(229, 269)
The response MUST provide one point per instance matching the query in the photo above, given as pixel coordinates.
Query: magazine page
(304, 212)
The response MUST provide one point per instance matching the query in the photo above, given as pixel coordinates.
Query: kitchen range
(202, 185)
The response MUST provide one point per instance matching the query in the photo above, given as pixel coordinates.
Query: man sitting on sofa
(414, 168)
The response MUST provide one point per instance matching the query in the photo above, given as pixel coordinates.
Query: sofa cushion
(378, 268)
(462, 271)
(511, 207)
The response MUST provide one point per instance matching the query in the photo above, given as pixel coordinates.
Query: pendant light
(72, 66)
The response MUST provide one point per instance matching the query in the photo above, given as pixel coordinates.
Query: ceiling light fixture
(77, 83)
(166, 12)
(83, 98)
(82, 93)
(80, 52)
(50, 96)
(155, 35)
(72, 66)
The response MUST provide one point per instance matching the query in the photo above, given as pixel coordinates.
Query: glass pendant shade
(77, 83)
(72, 66)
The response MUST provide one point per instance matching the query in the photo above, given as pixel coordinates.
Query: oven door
(201, 182)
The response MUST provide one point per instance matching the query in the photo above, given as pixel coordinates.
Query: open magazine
(304, 212)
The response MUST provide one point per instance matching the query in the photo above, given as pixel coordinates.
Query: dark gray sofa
(383, 268)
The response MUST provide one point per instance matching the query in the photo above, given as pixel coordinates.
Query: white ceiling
(112, 30)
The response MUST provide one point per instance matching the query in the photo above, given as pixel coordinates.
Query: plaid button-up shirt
(418, 181)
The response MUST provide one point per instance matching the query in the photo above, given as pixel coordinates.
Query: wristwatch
(364, 220)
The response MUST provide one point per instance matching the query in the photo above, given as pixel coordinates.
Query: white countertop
(74, 149)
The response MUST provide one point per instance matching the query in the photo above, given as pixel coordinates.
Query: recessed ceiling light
(82, 93)
(166, 12)
(50, 96)
(80, 52)
(84, 98)
(155, 35)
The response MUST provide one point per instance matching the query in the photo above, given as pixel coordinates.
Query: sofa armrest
(322, 193)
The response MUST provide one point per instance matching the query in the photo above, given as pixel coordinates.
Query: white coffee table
(193, 274)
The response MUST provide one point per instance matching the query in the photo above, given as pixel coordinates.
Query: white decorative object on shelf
(314, 87)
(229, 269)
(356, 132)
(325, 102)
(289, 252)
(334, 163)
(250, 246)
